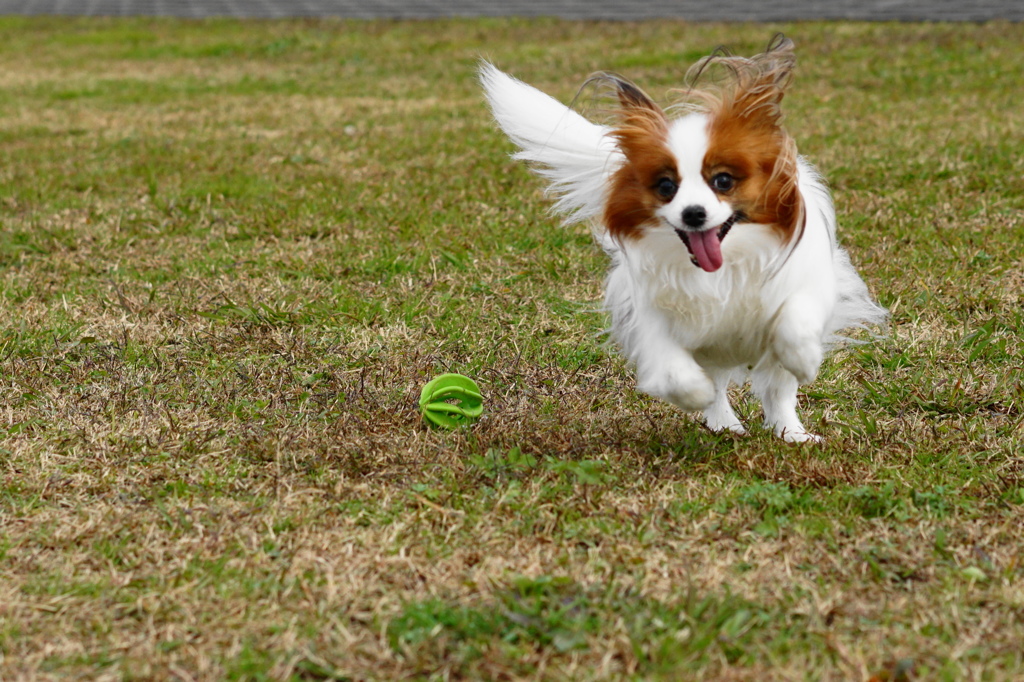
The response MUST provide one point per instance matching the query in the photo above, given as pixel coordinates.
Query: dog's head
(726, 160)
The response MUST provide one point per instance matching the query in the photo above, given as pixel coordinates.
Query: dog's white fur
(768, 313)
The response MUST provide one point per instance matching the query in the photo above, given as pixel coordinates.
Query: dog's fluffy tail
(854, 309)
(575, 155)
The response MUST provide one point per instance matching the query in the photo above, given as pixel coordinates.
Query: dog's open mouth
(705, 246)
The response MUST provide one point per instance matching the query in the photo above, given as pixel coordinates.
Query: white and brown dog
(725, 264)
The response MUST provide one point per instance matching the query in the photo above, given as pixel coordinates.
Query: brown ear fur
(641, 135)
(746, 129)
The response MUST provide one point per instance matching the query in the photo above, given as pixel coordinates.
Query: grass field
(233, 252)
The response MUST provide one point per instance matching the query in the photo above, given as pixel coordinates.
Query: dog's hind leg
(776, 387)
(719, 416)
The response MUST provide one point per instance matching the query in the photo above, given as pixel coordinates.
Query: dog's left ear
(753, 89)
(763, 80)
(776, 64)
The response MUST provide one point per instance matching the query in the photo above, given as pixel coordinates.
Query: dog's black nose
(694, 216)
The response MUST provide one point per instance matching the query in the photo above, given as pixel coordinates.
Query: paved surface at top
(691, 10)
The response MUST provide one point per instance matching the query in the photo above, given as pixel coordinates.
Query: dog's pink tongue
(707, 249)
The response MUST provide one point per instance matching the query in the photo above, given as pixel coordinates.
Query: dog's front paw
(686, 389)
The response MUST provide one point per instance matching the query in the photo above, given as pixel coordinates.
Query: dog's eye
(666, 188)
(723, 182)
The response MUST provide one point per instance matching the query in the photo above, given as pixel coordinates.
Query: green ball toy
(450, 401)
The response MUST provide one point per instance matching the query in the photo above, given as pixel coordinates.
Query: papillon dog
(724, 260)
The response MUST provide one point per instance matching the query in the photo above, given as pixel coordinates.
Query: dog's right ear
(637, 112)
(631, 98)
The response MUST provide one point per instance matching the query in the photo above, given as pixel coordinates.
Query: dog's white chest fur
(722, 317)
